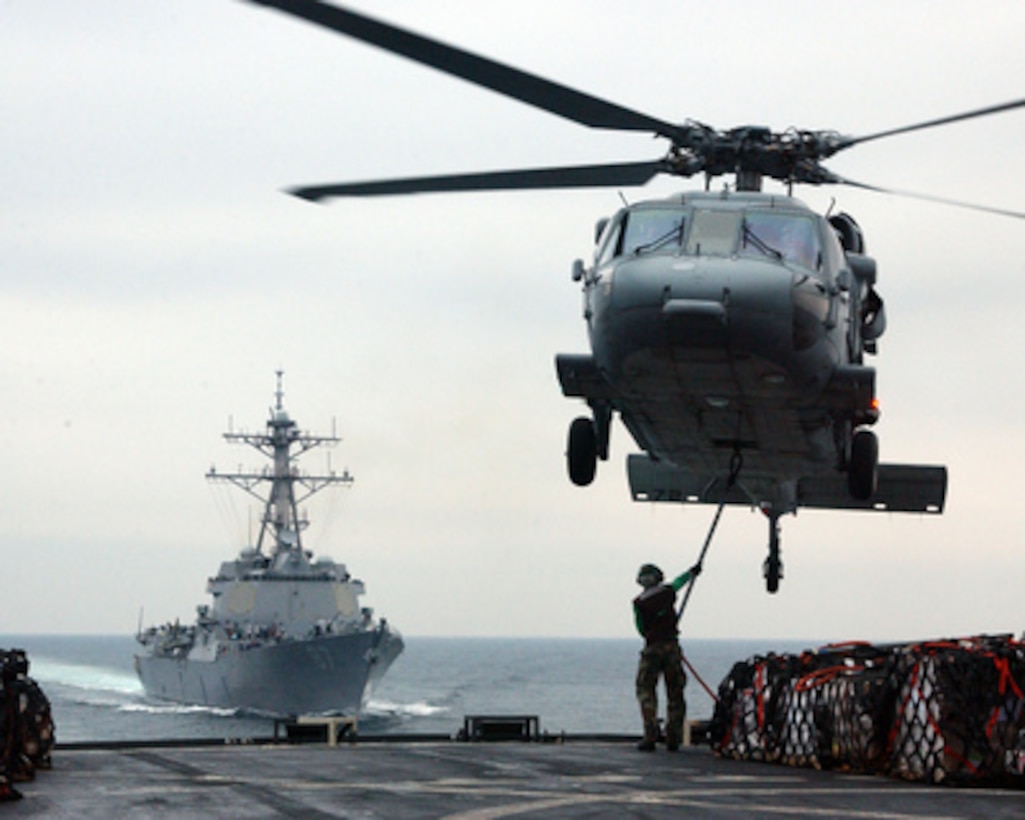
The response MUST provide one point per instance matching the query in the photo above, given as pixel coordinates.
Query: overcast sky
(153, 277)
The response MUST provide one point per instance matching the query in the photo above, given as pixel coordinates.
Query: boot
(652, 734)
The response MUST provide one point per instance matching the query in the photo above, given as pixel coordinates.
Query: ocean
(576, 686)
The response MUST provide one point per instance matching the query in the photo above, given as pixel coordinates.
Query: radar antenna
(282, 443)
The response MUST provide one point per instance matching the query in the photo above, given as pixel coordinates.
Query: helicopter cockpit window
(608, 244)
(713, 233)
(652, 229)
(787, 237)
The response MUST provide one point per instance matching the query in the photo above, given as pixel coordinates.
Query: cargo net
(938, 712)
(26, 724)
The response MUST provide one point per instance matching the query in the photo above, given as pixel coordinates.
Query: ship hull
(328, 674)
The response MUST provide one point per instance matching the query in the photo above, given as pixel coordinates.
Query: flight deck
(373, 778)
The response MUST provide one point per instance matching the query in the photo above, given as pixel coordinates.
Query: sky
(153, 277)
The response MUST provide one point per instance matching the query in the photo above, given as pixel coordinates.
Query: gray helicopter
(728, 329)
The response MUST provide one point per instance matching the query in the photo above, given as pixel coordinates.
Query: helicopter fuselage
(730, 325)
(730, 329)
(716, 352)
(718, 322)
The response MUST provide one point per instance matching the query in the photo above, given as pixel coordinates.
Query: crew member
(655, 616)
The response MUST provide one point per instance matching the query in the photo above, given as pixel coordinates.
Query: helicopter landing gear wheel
(773, 567)
(582, 451)
(862, 471)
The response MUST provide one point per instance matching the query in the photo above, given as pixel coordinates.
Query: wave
(167, 708)
(119, 690)
(81, 676)
(389, 709)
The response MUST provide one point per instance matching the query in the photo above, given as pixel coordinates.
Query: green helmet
(649, 575)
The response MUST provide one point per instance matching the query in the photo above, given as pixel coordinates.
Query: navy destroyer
(284, 634)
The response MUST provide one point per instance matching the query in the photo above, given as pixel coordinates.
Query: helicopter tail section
(652, 480)
(909, 488)
(901, 488)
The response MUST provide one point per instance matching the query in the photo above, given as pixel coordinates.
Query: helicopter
(728, 329)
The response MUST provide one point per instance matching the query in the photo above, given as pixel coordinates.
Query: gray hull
(327, 674)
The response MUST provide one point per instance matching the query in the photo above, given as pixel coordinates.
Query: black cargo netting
(941, 711)
(26, 725)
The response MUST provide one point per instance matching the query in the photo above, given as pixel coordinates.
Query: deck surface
(471, 781)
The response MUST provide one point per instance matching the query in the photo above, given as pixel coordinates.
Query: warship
(284, 634)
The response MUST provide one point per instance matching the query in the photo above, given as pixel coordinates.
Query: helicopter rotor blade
(838, 180)
(695, 147)
(512, 82)
(576, 176)
(967, 115)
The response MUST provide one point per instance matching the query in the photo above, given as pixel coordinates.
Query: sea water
(576, 686)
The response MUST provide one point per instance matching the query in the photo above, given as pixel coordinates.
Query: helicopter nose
(757, 307)
(709, 303)
(699, 308)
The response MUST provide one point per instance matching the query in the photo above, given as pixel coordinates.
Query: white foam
(80, 676)
(385, 708)
(175, 709)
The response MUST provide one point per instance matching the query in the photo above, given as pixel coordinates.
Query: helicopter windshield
(713, 233)
(787, 237)
(650, 229)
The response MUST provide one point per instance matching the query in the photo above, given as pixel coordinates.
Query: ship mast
(283, 443)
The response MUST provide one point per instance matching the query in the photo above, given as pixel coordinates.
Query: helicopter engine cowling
(873, 316)
(852, 239)
(870, 305)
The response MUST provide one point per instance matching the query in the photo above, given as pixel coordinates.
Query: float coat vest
(655, 609)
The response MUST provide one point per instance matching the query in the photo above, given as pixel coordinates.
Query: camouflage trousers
(663, 659)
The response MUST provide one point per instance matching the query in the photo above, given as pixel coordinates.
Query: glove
(695, 571)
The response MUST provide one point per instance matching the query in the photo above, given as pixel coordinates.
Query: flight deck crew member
(655, 616)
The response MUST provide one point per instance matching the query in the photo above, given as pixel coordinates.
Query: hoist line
(736, 462)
